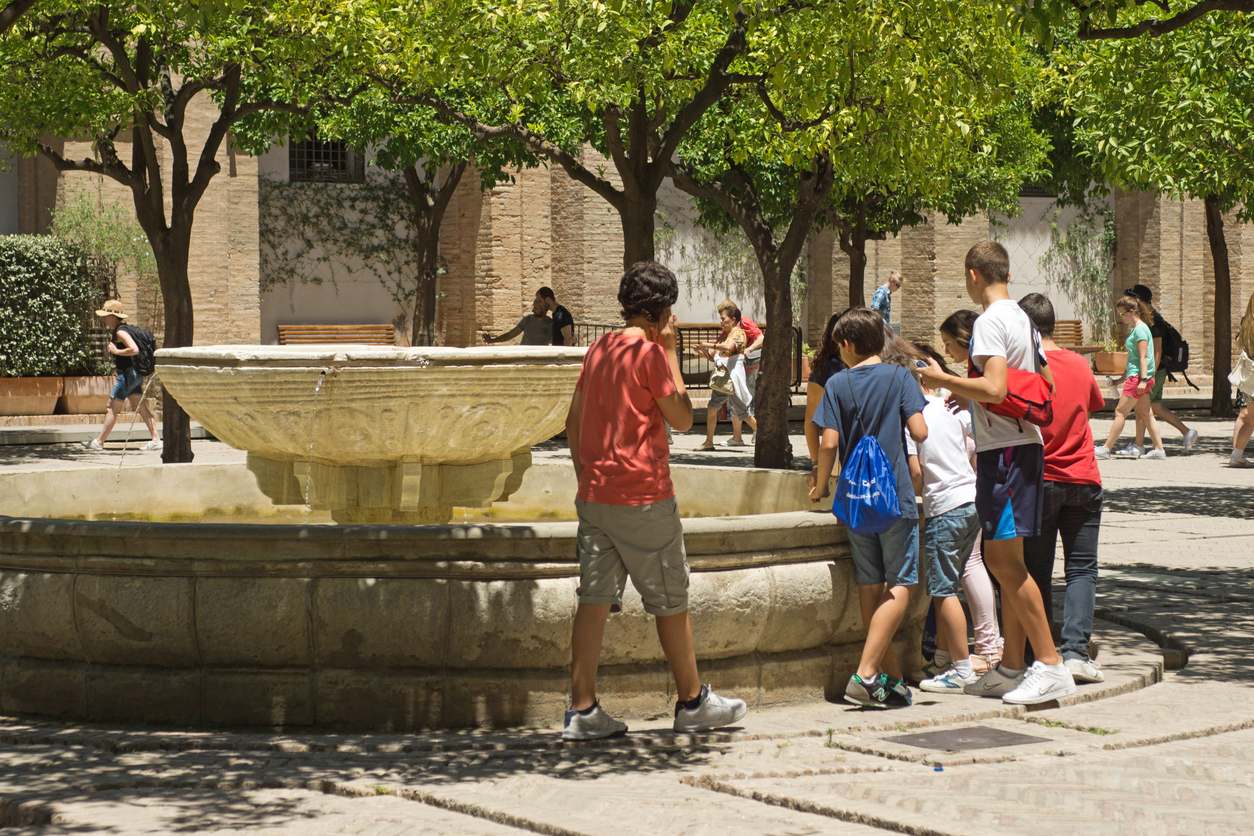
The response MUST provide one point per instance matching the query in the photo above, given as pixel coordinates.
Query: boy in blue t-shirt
(884, 400)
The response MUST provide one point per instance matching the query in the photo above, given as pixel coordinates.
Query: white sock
(963, 667)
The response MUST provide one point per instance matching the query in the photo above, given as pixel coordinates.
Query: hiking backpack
(866, 490)
(146, 360)
(1175, 352)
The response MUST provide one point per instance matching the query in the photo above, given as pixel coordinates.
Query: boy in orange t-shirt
(629, 525)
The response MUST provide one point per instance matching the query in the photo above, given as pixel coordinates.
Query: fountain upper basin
(367, 405)
(378, 434)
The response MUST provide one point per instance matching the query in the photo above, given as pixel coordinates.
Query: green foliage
(112, 242)
(1080, 262)
(46, 303)
(1182, 121)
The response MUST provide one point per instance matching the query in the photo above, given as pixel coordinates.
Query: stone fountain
(218, 594)
(376, 434)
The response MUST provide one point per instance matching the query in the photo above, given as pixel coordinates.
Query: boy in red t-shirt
(629, 524)
(1073, 494)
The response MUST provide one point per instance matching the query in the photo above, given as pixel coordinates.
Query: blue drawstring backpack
(866, 491)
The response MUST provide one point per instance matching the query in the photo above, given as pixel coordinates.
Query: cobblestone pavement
(1150, 751)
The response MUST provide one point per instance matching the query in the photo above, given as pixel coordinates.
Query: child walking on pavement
(629, 525)
(943, 476)
(883, 400)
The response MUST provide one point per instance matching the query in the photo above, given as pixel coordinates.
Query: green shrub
(46, 303)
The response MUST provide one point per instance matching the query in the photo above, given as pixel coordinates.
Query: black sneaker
(873, 693)
(899, 695)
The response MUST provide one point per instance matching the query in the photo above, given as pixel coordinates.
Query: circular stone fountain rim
(339, 355)
(742, 525)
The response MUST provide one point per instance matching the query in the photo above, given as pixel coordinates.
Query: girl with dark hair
(827, 362)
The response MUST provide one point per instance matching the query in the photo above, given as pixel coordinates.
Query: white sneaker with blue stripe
(950, 682)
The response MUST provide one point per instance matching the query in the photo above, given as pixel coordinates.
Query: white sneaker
(593, 725)
(950, 682)
(1237, 459)
(1190, 438)
(994, 684)
(155, 444)
(1043, 683)
(1156, 453)
(1129, 452)
(1101, 452)
(1085, 670)
(94, 444)
(713, 712)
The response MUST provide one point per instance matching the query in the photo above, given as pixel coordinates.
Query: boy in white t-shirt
(943, 476)
(1010, 468)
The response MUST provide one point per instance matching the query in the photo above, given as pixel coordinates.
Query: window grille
(314, 160)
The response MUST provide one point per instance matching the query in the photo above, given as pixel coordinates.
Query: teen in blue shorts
(1010, 468)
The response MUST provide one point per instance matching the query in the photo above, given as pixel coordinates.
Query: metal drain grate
(966, 739)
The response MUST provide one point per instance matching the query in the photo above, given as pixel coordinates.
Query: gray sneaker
(868, 693)
(713, 712)
(592, 725)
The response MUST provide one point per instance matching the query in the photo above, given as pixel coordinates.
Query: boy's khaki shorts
(643, 542)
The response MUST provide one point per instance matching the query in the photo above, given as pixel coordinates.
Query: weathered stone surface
(46, 689)
(377, 700)
(381, 622)
(374, 428)
(37, 616)
(261, 622)
(494, 622)
(136, 620)
(267, 698)
(143, 695)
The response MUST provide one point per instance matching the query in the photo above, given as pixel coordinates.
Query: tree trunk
(428, 243)
(176, 294)
(855, 249)
(637, 217)
(772, 400)
(1221, 389)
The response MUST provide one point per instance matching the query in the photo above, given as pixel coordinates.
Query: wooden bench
(1069, 332)
(358, 334)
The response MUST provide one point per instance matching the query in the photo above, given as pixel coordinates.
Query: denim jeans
(1075, 512)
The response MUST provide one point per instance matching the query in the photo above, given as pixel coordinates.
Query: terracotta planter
(85, 395)
(1110, 362)
(29, 395)
(805, 369)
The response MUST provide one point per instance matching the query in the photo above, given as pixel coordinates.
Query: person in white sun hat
(124, 345)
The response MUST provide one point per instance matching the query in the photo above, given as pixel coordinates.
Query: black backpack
(1175, 352)
(146, 360)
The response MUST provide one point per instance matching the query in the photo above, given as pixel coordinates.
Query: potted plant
(1110, 360)
(45, 302)
(86, 392)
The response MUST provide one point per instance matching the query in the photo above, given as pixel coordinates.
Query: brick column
(932, 259)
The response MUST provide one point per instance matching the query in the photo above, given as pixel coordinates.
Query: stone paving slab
(1195, 787)
(265, 811)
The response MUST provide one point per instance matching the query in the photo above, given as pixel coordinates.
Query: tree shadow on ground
(1231, 502)
(1211, 611)
(202, 781)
